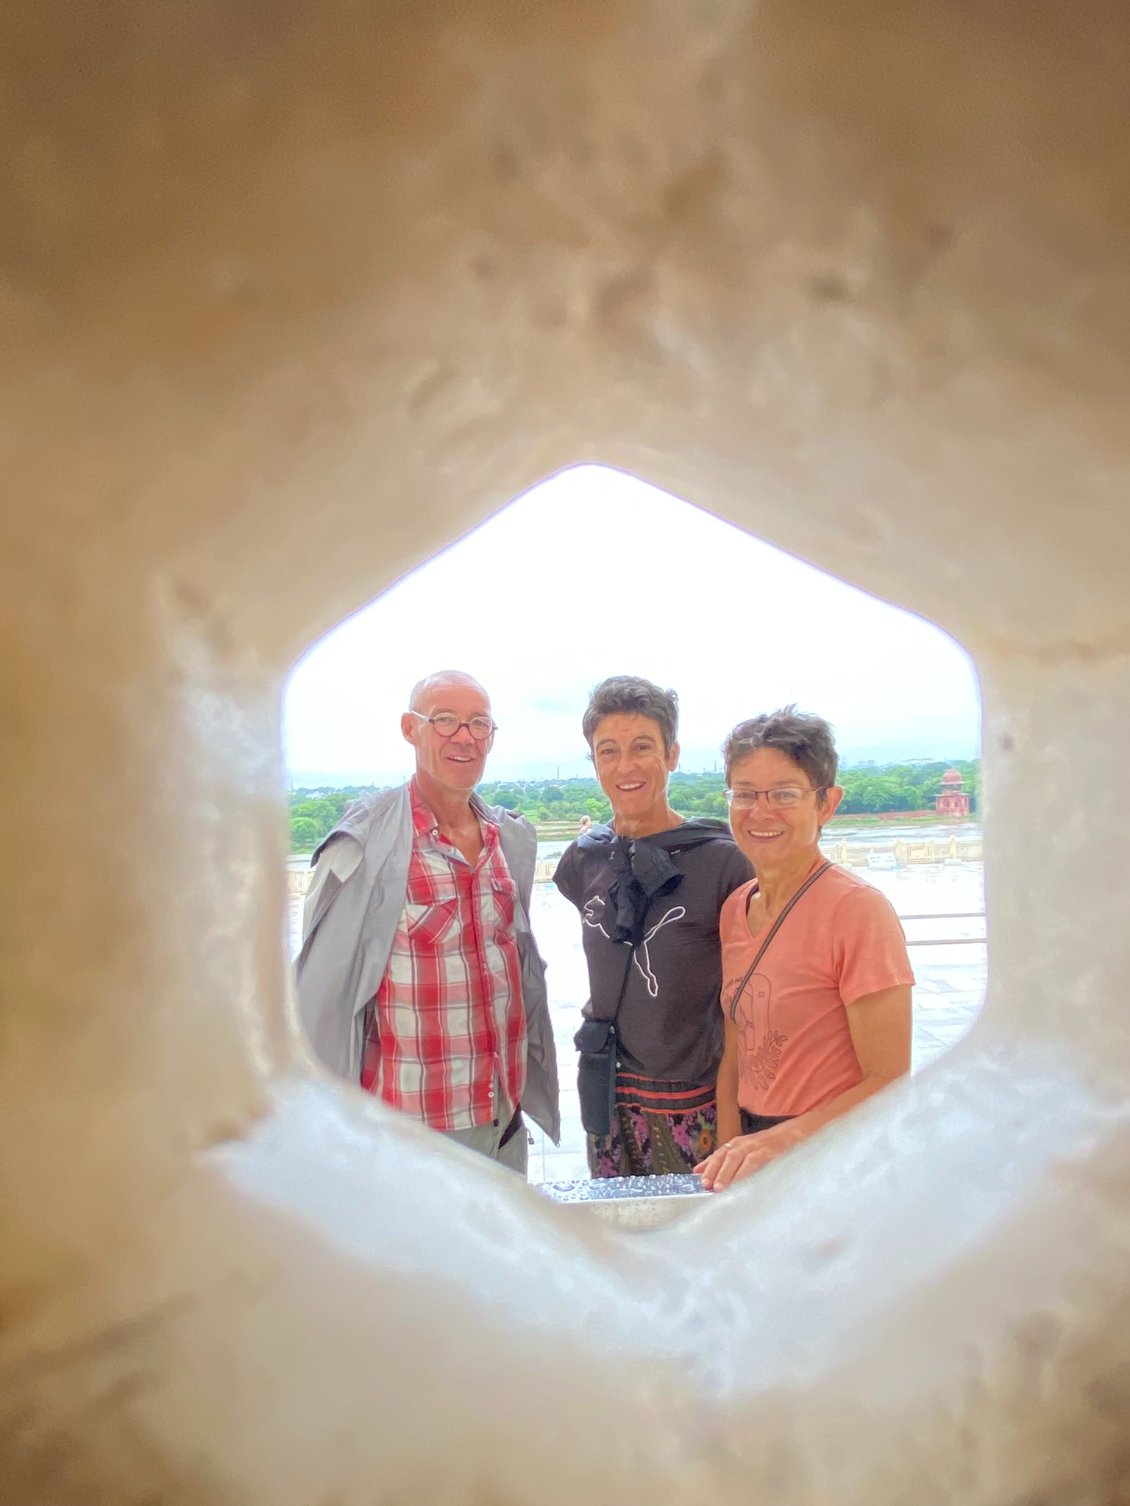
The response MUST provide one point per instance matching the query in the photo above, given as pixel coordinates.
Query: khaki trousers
(484, 1138)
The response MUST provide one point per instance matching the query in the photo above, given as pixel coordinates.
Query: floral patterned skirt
(660, 1129)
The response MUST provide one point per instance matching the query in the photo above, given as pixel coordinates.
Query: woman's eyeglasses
(783, 798)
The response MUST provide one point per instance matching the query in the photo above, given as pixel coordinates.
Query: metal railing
(948, 940)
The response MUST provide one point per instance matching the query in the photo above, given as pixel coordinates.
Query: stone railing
(907, 850)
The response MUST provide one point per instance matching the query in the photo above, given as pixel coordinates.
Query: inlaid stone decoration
(641, 1203)
(291, 296)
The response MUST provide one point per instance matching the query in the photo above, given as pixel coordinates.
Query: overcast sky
(595, 573)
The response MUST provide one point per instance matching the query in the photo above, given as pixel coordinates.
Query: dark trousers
(753, 1124)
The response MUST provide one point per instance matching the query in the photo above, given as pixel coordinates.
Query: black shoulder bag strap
(624, 984)
(615, 1015)
(597, 1049)
(774, 928)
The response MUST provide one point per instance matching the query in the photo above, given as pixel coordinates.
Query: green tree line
(869, 789)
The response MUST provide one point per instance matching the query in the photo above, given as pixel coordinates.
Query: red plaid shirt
(447, 1022)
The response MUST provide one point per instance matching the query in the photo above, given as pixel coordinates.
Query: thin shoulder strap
(624, 983)
(774, 928)
(628, 966)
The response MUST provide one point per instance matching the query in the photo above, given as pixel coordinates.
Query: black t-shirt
(670, 1021)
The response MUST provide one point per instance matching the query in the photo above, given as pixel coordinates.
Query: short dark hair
(629, 695)
(799, 735)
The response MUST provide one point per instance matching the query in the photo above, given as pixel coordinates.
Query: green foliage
(304, 834)
(564, 800)
(324, 813)
(902, 787)
(867, 790)
(315, 813)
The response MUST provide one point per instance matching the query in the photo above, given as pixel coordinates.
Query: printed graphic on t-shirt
(758, 1058)
(642, 959)
(590, 915)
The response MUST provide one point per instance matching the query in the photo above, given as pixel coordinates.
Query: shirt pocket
(431, 916)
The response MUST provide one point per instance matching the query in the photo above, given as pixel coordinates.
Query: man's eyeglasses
(447, 724)
(784, 798)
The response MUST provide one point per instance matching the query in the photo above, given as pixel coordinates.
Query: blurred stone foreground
(291, 297)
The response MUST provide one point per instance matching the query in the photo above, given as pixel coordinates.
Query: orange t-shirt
(841, 941)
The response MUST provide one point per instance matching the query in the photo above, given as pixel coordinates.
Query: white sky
(595, 573)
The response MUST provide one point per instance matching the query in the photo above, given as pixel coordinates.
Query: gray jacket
(348, 939)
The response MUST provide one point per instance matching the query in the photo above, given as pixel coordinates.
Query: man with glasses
(418, 975)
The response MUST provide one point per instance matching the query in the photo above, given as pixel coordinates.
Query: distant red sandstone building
(953, 801)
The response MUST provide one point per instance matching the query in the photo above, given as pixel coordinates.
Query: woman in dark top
(650, 887)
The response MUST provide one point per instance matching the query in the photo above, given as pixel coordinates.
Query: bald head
(425, 690)
(450, 757)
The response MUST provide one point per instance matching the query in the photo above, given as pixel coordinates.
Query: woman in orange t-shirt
(816, 978)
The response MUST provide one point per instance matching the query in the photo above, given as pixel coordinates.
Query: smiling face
(633, 767)
(449, 765)
(769, 837)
